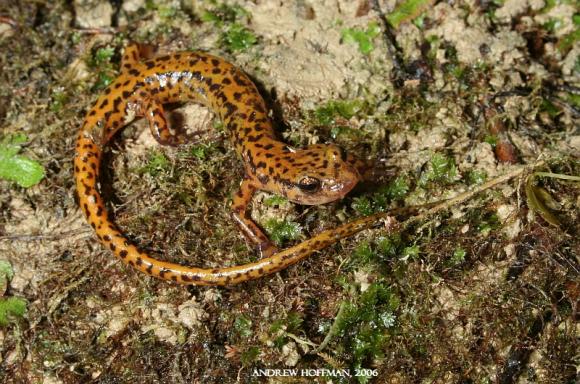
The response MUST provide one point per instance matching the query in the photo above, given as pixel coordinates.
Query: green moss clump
(364, 38)
(281, 231)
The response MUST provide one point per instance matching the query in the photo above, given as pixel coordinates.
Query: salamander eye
(309, 184)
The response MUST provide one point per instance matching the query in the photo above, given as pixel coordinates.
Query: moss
(275, 200)
(458, 256)
(101, 62)
(476, 176)
(157, 163)
(236, 37)
(243, 326)
(281, 231)
(407, 10)
(224, 13)
(379, 201)
(230, 19)
(441, 169)
(365, 325)
(250, 355)
(363, 38)
(333, 109)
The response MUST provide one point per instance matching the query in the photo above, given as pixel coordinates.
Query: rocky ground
(440, 97)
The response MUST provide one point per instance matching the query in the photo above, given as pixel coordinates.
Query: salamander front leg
(242, 217)
(159, 128)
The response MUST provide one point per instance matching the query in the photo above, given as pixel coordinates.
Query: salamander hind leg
(134, 53)
(242, 217)
(159, 127)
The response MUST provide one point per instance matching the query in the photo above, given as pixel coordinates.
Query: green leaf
(20, 169)
(406, 11)
(536, 203)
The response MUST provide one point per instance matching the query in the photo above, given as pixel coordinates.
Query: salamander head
(324, 175)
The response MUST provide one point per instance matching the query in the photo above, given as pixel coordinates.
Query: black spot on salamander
(263, 179)
(196, 75)
(134, 72)
(230, 109)
(216, 71)
(269, 155)
(268, 146)
(116, 103)
(261, 164)
(253, 139)
(215, 62)
(226, 80)
(188, 278)
(163, 58)
(92, 113)
(118, 85)
(126, 94)
(237, 96)
(104, 103)
(149, 64)
(193, 62)
(126, 83)
(139, 261)
(107, 238)
(123, 254)
(149, 268)
(215, 87)
(113, 247)
(240, 80)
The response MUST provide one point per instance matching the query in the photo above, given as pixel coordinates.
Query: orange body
(314, 175)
